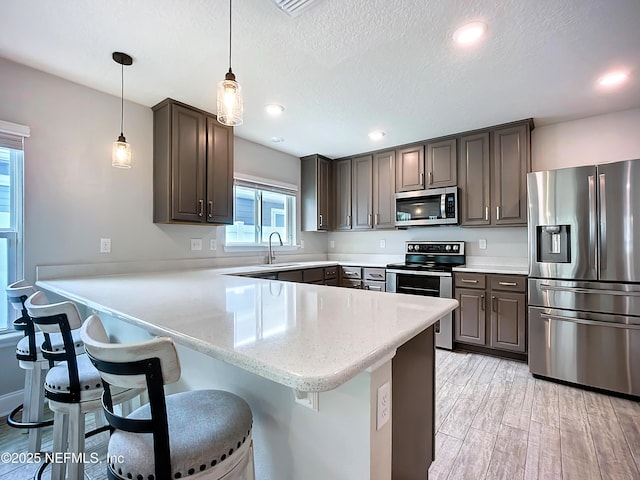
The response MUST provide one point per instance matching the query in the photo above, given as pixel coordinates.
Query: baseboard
(9, 401)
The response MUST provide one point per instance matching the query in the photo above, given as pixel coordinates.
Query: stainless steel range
(427, 270)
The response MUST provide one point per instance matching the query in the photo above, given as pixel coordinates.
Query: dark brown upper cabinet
(192, 166)
(384, 181)
(442, 164)
(493, 166)
(342, 175)
(361, 190)
(410, 169)
(317, 193)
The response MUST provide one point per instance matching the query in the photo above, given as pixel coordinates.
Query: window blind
(265, 185)
(12, 135)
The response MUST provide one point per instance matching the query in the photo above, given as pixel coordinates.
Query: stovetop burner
(431, 256)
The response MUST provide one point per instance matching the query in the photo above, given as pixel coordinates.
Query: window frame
(261, 186)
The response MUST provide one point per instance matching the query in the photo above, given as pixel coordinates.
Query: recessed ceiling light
(274, 108)
(277, 139)
(613, 79)
(377, 135)
(469, 33)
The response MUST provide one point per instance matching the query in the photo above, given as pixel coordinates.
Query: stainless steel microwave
(435, 206)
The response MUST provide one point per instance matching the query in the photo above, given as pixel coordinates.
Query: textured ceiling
(343, 68)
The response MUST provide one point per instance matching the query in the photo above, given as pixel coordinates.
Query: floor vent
(293, 8)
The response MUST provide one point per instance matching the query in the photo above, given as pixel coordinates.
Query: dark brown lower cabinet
(492, 311)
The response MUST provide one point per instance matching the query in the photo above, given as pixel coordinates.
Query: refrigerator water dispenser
(553, 243)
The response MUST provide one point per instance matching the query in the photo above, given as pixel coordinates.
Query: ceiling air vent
(293, 8)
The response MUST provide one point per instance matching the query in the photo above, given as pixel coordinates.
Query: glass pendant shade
(229, 101)
(121, 153)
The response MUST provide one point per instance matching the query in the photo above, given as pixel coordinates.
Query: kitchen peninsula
(314, 362)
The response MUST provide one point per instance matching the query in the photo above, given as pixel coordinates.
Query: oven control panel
(442, 248)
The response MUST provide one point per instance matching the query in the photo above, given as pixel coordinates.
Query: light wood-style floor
(493, 421)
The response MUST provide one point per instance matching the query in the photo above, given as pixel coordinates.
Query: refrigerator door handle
(593, 222)
(546, 287)
(603, 222)
(589, 322)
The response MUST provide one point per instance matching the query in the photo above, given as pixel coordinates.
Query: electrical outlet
(482, 244)
(332, 244)
(383, 244)
(213, 245)
(196, 244)
(384, 405)
(301, 243)
(105, 245)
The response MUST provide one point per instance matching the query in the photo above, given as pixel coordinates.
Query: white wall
(600, 139)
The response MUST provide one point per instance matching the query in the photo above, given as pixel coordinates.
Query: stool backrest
(59, 318)
(17, 294)
(149, 364)
(97, 344)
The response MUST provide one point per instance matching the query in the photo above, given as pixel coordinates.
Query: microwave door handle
(443, 212)
(603, 223)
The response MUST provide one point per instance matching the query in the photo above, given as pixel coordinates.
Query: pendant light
(229, 99)
(121, 153)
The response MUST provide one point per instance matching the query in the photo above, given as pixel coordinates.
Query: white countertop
(500, 269)
(308, 337)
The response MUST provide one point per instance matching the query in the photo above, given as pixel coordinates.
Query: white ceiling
(343, 68)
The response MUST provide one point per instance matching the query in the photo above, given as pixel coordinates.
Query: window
(11, 168)
(259, 209)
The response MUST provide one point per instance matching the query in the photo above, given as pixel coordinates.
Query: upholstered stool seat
(206, 428)
(23, 348)
(196, 434)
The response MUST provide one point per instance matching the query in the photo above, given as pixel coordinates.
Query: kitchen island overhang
(309, 338)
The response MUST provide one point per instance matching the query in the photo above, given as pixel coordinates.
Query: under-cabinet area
(492, 312)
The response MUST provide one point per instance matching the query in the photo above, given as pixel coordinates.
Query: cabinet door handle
(376, 275)
(369, 219)
(482, 302)
(348, 220)
(375, 288)
(486, 213)
(493, 304)
(422, 179)
(210, 213)
(466, 280)
(320, 219)
(200, 208)
(508, 284)
(430, 178)
(498, 212)
(377, 216)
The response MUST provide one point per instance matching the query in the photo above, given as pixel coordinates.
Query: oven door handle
(417, 289)
(421, 272)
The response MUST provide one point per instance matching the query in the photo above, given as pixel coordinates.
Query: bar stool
(196, 434)
(31, 360)
(73, 386)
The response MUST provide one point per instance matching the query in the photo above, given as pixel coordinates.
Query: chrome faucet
(272, 256)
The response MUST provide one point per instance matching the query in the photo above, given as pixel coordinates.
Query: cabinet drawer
(375, 286)
(352, 273)
(330, 272)
(470, 280)
(347, 283)
(331, 282)
(509, 283)
(374, 274)
(313, 275)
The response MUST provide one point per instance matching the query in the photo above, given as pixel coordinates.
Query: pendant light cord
(122, 99)
(229, 35)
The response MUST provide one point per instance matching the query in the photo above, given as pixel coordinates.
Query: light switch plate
(482, 244)
(383, 244)
(196, 244)
(105, 245)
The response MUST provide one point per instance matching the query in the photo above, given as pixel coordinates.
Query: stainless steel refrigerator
(584, 275)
